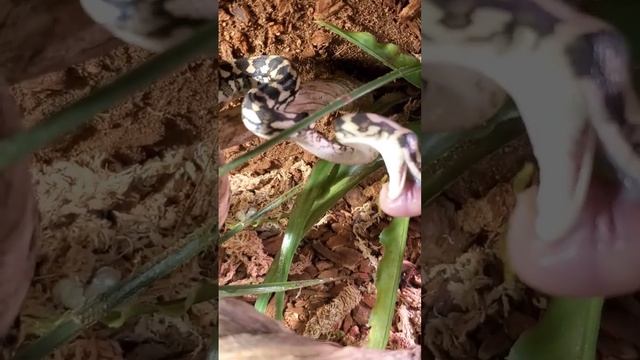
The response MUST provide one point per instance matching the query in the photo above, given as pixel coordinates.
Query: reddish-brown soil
(346, 241)
(119, 192)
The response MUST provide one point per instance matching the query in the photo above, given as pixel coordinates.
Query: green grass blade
(260, 213)
(254, 289)
(96, 309)
(206, 291)
(296, 228)
(333, 106)
(568, 330)
(435, 145)
(389, 54)
(394, 240)
(326, 185)
(83, 111)
(213, 350)
(497, 133)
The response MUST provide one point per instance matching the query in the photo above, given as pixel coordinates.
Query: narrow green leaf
(435, 145)
(97, 308)
(254, 289)
(205, 291)
(389, 54)
(568, 330)
(394, 240)
(296, 228)
(486, 140)
(326, 185)
(258, 215)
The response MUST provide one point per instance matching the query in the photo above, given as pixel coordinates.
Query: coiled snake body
(271, 85)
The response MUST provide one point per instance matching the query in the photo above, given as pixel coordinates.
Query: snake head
(397, 145)
(401, 197)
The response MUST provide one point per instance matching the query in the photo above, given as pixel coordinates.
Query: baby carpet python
(565, 70)
(270, 85)
(272, 102)
(568, 74)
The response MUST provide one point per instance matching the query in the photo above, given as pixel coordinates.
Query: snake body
(270, 86)
(566, 71)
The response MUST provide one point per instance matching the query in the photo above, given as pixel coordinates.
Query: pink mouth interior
(407, 204)
(600, 256)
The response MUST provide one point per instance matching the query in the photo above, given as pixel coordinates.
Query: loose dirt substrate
(471, 311)
(119, 192)
(345, 242)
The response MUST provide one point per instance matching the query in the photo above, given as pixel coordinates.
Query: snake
(564, 69)
(270, 86)
(568, 74)
(272, 101)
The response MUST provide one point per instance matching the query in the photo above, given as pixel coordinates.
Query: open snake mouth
(407, 204)
(598, 256)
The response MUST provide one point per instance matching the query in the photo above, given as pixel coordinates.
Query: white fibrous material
(69, 292)
(102, 281)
